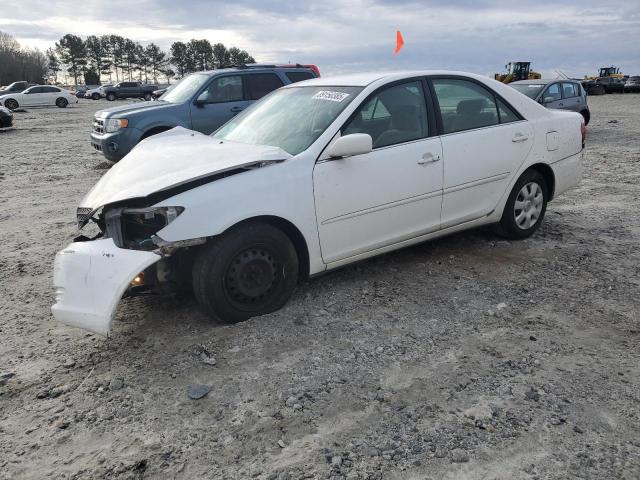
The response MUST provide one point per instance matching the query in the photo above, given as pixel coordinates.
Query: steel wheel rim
(252, 276)
(527, 208)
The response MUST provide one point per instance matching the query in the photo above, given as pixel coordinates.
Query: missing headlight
(134, 227)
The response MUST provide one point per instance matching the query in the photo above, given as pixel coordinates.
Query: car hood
(172, 159)
(134, 108)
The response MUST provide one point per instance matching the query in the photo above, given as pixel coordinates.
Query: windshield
(185, 89)
(531, 90)
(290, 118)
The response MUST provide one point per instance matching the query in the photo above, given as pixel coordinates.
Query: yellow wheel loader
(517, 71)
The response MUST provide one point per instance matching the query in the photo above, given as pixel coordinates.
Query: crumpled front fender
(90, 278)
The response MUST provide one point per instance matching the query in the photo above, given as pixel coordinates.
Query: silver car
(559, 94)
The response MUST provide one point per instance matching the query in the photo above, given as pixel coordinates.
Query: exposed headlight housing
(133, 227)
(114, 124)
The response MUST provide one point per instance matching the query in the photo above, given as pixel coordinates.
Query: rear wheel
(111, 97)
(11, 104)
(249, 271)
(147, 96)
(525, 207)
(62, 102)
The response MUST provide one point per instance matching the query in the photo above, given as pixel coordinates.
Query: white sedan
(38, 95)
(316, 175)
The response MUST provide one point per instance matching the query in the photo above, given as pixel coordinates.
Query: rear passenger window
(465, 105)
(507, 115)
(298, 76)
(569, 90)
(395, 115)
(259, 84)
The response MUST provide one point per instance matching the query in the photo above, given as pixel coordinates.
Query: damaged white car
(316, 175)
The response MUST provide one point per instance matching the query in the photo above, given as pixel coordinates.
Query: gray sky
(480, 36)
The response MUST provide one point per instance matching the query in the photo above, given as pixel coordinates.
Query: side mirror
(350, 145)
(201, 100)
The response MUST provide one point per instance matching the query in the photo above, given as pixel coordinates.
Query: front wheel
(251, 270)
(95, 96)
(11, 104)
(586, 115)
(525, 207)
(62, 102)
(147, 96)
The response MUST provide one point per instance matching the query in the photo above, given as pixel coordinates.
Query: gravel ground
(469, 357)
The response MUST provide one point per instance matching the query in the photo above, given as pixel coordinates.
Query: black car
(632, 85)
(6, 117)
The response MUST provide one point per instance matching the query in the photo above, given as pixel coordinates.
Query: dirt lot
(464, 358)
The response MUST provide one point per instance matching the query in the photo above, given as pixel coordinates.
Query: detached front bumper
(90, 278)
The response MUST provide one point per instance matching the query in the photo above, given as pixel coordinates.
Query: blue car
(202, 101)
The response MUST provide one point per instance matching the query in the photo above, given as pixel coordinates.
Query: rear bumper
(567, 173)
(90, 278)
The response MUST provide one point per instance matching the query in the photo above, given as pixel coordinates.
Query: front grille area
(98, 125)
(97, 146)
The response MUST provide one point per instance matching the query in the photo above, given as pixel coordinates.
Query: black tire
(11, 104)
(111, 96)
(148, 96)
(586, 115)
(95, 96)
(248, 271)
(513, 225)
(62, 102)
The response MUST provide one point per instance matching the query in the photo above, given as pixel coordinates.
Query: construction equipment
(610, 72)
(517, 71)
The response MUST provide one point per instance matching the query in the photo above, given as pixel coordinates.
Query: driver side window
(223, 89)
(394, 115)
(552, 93)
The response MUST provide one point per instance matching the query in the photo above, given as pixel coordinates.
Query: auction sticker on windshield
(332, 96)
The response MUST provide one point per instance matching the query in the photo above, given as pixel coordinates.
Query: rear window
(299, 76)
(259, 84)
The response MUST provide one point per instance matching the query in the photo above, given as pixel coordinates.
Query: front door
(389, 195)
(222, 99)
(552, 96)
(484, 142)
(32, 96)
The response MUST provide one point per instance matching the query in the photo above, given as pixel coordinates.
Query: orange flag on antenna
(399, 42)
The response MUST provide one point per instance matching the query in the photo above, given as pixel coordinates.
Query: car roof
(367, 78)
(545, 81)
(256, 68)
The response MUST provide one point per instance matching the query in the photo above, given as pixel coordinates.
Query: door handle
(428, 158)
(236, 109)
(519, 137)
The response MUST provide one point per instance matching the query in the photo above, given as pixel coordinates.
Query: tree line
(114, 57)
(121, 58)
(17, 63)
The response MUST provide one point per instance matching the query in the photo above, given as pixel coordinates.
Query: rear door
(219, 101)
(571, 97)
(50, 95)
(484, 142)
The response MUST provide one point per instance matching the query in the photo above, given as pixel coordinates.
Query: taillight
(315, 69)
(583, 131)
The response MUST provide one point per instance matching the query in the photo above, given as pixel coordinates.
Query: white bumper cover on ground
(90, 278)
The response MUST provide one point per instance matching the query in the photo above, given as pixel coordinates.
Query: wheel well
(292, 232)
(547, 173)
(154, 131)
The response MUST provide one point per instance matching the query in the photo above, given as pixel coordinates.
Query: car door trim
(475, 183)
(384, 206)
